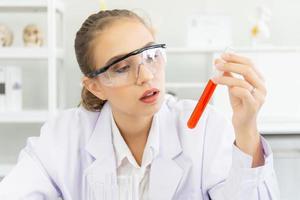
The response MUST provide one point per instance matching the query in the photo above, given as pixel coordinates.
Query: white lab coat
(74, 158)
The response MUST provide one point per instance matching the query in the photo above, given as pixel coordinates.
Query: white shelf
(28, 53)
(190, 50)
(5, 169)
(24, 116)
(30, 5)
(279, 128)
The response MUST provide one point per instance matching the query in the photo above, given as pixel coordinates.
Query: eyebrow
(121, 55)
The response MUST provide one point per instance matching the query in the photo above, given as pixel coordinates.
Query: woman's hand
(247, 95)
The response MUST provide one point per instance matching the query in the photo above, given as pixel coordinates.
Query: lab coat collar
(165, 172)
(99, 144)
(100, 177)
(169, 142)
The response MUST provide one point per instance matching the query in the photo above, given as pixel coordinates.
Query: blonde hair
(91, 28)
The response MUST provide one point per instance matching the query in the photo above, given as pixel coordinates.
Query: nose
(144, 74)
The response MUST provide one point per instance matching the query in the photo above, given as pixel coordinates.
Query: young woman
(128, 140)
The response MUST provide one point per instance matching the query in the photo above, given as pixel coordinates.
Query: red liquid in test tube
(203, 101)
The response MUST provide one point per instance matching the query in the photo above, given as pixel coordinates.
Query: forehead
(122, 37)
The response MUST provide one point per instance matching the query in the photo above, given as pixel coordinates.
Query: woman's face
(122, 37)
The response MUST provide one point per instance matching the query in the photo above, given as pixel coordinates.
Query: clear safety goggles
(126, 70)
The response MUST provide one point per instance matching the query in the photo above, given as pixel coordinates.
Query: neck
(133, 127)
(135, 131)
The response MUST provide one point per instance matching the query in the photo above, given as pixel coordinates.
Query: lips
(149, 93)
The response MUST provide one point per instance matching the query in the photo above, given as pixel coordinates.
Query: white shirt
(132, 179)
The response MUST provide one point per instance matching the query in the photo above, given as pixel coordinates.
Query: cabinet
(47, 60)
(47, 56)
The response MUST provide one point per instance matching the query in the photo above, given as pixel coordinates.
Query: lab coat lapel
(101, 174)
(165, 174)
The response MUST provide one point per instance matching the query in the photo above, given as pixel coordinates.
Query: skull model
(6, 36)
(32, 36)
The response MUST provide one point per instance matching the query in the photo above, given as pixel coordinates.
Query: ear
(94, 87)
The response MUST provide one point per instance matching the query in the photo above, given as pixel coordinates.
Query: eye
(150, 58)
(122, 69)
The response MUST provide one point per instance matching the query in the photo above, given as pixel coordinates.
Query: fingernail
(217, 74)
(219, 65)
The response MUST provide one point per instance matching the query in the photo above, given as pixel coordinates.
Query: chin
(157, 106)
(154, 108)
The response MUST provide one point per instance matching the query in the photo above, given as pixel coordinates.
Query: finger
(246, 71)
(234, 58)
(242, 94)
(219, 60)
(259, 96)
(231, 57)
(215, 71)
(231, 81)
